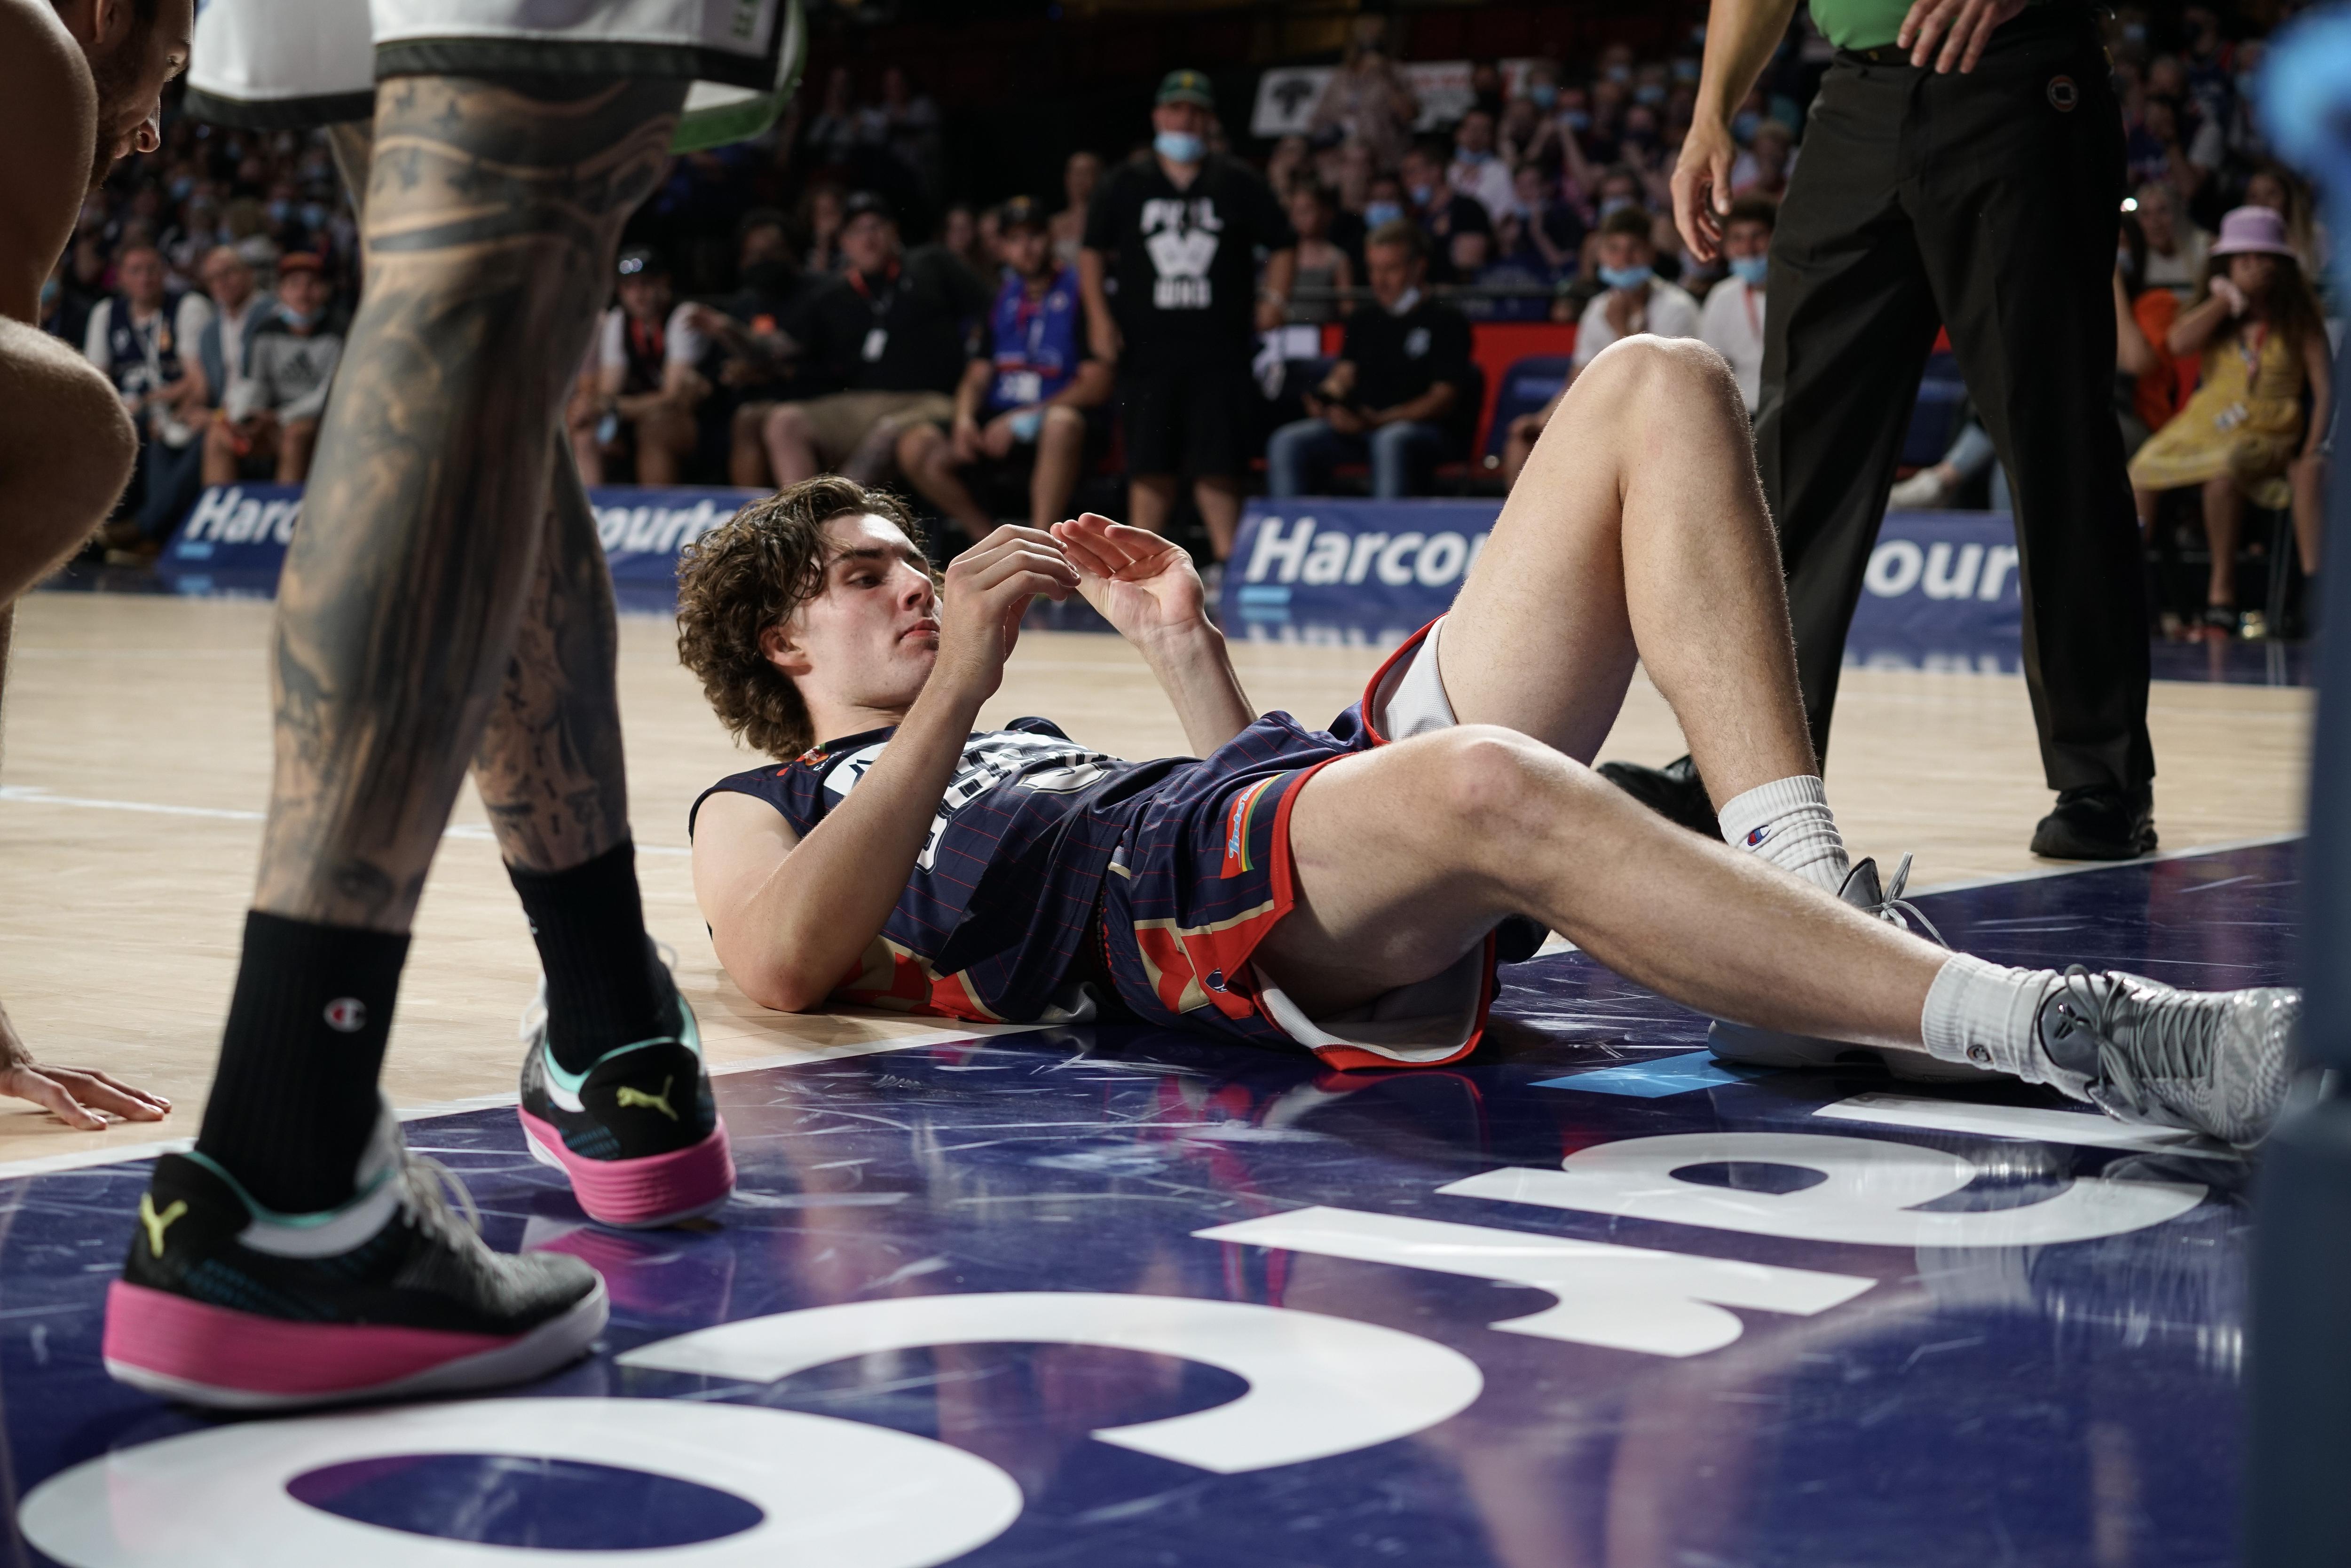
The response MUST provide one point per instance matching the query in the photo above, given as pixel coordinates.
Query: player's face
(870, 637)
(130, 63)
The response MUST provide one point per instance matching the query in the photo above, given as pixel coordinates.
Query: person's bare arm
(1102, 326)
(2133, 352)
(790, 919)
(1089, 388)
(1146, 588)
(48, 122)
(2315, 366)
(2195, 328)
(1273, 298)
(1740, 37)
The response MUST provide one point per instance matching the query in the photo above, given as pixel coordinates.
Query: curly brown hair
(749, 573)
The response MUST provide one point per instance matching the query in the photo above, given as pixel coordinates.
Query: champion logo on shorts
(2062, 94)
(1237, 829)
(1758, 835)
(346, 1015)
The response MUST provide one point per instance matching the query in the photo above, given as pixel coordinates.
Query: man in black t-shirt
(760, 335)
(1398, 394)
(1445, 215)
(891, 335)
(1179, 234)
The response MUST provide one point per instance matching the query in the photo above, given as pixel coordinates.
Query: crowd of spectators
(820, 299)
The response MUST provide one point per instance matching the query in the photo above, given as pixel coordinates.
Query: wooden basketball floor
(135, 769)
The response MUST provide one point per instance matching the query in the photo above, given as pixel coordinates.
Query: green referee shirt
(1859, 24)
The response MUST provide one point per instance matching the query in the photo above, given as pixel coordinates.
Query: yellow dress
(2244, 421)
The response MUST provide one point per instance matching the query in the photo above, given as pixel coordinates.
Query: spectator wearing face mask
(1444, 212)
(1477, 171)
(1544, 234)
(1633, 299)
(270, 425)
(648, 379)
(1732, 322)
(1180, 230)
(143, 339)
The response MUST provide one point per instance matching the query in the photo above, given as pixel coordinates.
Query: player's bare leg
(491, 221)
(1610, 558)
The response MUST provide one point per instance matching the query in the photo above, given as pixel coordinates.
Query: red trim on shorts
(1371, 688)
(1284, 878)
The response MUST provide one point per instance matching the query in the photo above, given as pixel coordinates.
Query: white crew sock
(1989, 1015)
(1787, 822)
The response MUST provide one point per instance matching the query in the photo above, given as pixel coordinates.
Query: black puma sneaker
(638, 1133)
(226, 1304)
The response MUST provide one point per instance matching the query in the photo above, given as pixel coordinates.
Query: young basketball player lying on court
(1341, 890)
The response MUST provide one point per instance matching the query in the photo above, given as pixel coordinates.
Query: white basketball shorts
(272, 64)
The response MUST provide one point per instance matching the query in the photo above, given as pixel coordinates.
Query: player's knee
(1063, 422)
(1489, 778)
(788, 421)
(1647, 377)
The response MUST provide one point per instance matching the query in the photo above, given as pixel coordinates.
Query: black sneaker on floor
(1675, 792)
(2097, 823)
(226, 1304)
(638, 1133)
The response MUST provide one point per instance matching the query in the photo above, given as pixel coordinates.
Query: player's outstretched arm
(790, 917)
(1145, 587)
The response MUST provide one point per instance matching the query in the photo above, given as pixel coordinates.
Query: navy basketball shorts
(1204, 875)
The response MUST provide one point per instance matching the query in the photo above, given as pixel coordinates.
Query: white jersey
(269, 64)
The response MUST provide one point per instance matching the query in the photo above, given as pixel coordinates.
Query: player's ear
(110, 21)
(784, 650)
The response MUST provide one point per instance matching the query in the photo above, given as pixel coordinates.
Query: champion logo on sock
(1758, 835)
(346, 1015)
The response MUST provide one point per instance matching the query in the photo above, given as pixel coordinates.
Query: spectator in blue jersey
(1027, 399)
(1397, 395)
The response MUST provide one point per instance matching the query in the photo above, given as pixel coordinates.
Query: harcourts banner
(1939, 584)
(235, 538)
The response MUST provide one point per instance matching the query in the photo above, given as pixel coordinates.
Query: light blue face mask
(1544, 94)
(1027, 424)
(1626, 277)
(1751, 269)
(1744, 125)
(1178, 146)
(1652, 93)
(50, 289)
(1614, 204)
(1378, 213)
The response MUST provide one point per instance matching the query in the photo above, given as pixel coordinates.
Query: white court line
(2087, 1129)
(28, 795)
(124, 1154)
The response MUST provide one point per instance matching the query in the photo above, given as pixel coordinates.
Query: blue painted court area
(1123, 1297)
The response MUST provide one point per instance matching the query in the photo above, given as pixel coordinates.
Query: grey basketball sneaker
(2215, 1062)
(1770, 1047)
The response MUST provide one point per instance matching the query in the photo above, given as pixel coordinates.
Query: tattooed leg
(491, 219)
(549, 769)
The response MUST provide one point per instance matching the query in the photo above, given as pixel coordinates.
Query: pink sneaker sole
(179, 1349)
(640, 1194)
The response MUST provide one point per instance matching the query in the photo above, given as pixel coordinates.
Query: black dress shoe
(1675, 792)
(2097, 823)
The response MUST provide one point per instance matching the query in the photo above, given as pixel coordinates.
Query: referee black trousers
(1987, 202)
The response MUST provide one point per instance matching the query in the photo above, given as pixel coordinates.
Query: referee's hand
(1964, 26)
(1701, 186)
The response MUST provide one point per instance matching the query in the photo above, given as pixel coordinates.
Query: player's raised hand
(1136, 580)
(987, 589)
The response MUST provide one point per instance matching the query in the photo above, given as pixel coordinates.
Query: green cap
(1186, 87)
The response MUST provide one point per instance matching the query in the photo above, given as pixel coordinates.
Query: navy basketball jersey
(1005, 887)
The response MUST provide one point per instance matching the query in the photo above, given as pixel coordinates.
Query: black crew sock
(296, 1099)
(605, 988)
